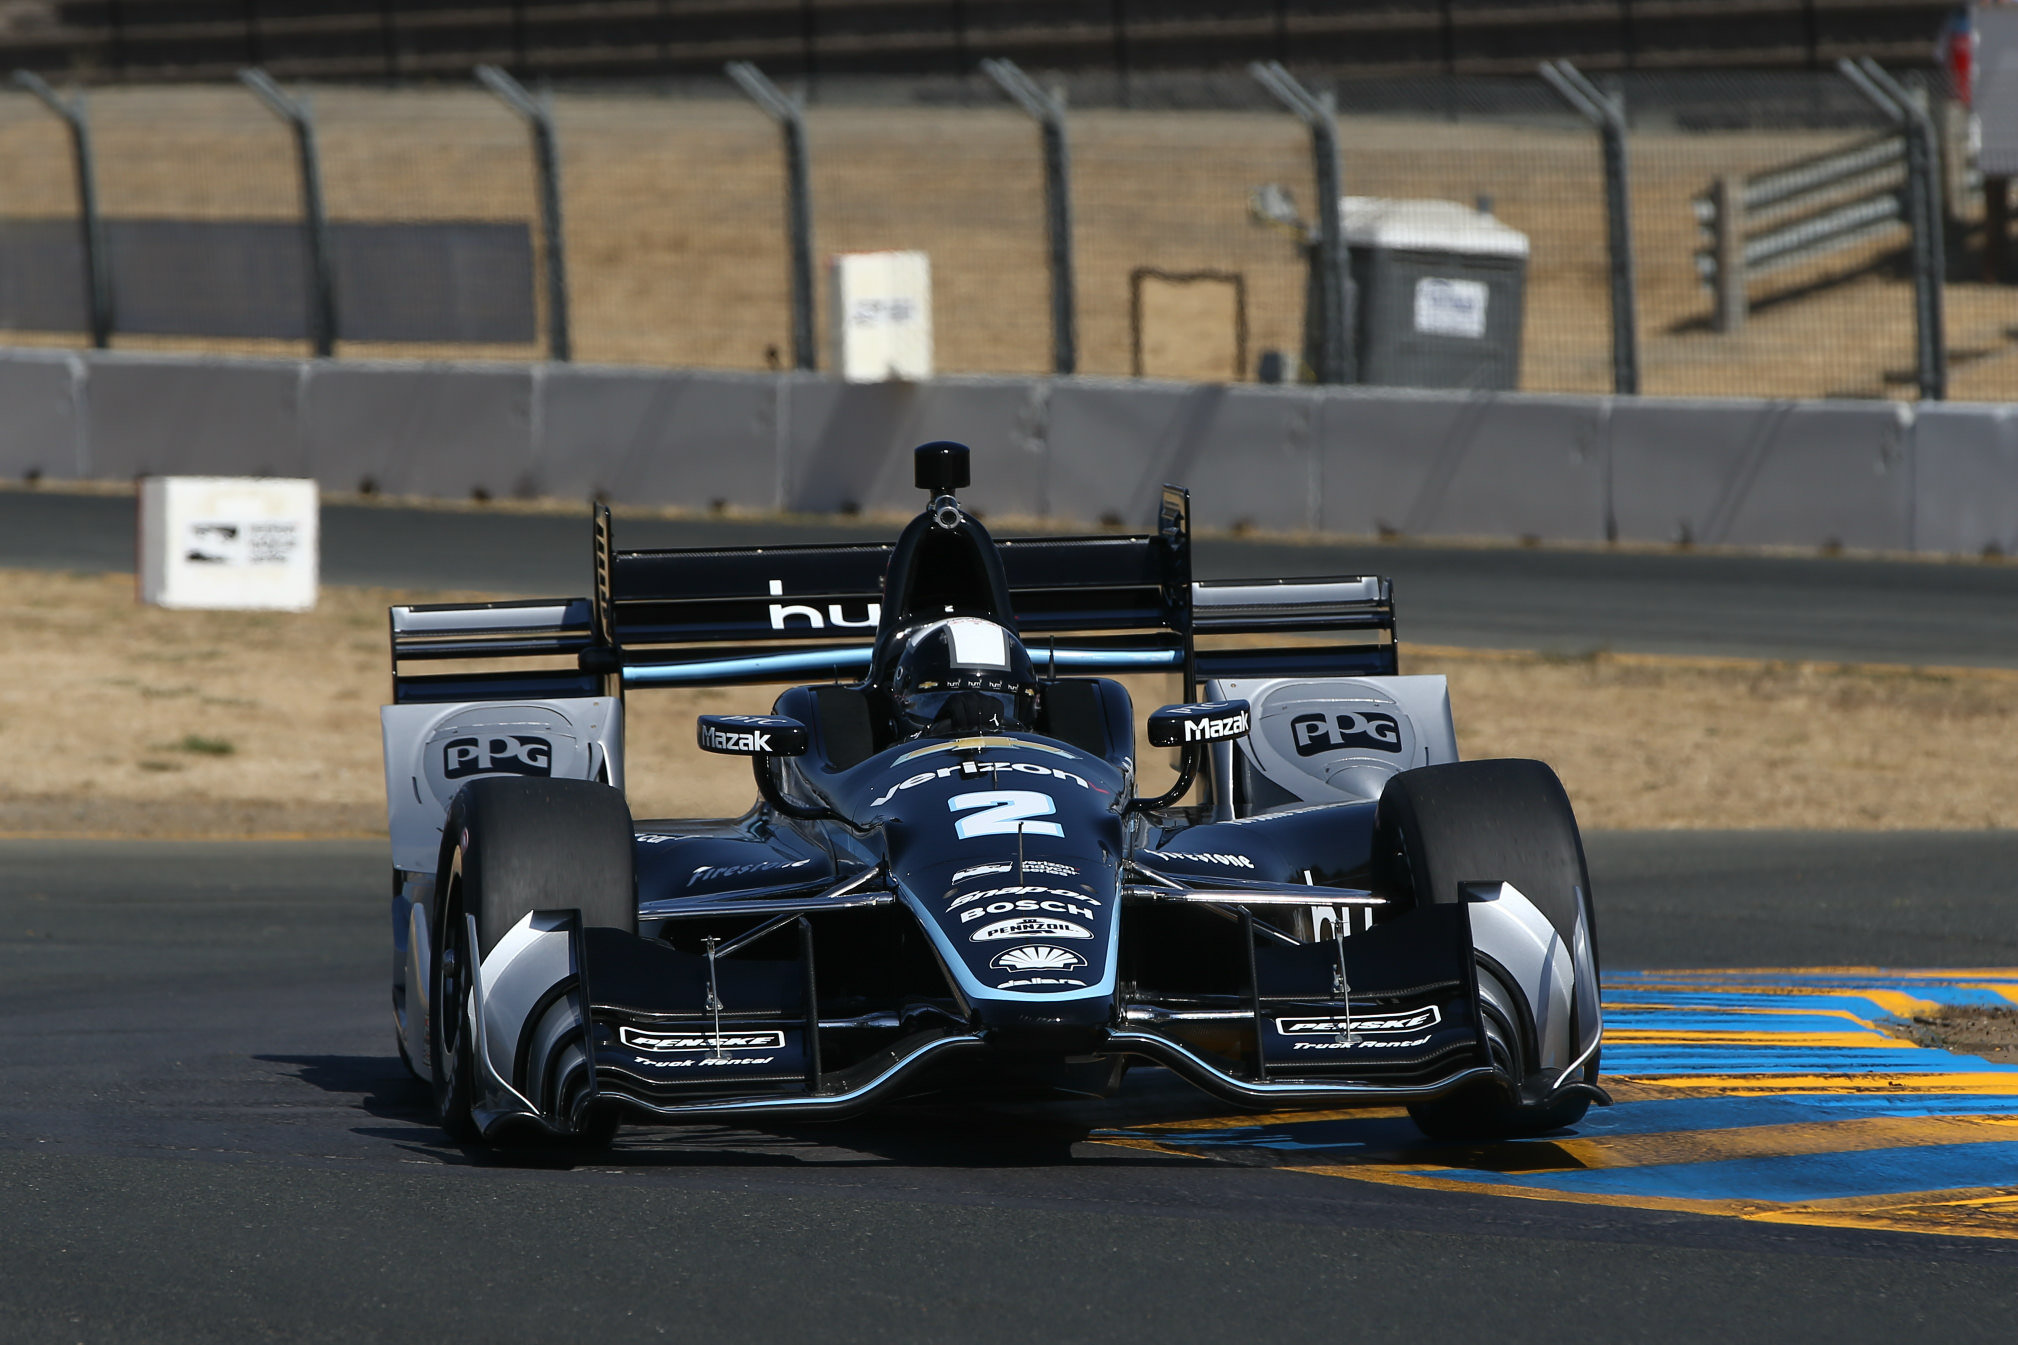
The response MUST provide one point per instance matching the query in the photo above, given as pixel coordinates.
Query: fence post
(1727, 198)
(1048, 111)
(1330, 275)
(321, 265)
(539, 115)
(1923, 212)
(90, 228)
(791, 118)
(1607, 112)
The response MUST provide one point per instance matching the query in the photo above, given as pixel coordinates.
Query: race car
(962, 873)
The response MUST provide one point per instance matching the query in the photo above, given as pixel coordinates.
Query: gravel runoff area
(123, 720)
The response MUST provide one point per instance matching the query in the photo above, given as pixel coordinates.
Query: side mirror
(1191, 725)
(752, 735)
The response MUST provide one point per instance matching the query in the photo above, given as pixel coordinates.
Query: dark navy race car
(963, 872)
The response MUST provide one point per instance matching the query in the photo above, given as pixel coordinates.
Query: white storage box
(879, 311)
(229, 542)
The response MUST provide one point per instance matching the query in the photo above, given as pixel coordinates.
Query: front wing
(1381, 1012)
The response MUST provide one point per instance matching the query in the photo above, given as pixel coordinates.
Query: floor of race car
(205, 1136)
(1777, 1096)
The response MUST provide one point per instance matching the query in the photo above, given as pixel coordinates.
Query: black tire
(1486, 821)
(511, 847)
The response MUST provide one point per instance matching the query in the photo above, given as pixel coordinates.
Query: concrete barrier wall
(1891, 476)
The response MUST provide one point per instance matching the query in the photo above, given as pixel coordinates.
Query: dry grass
(117, 719)
(676, 244)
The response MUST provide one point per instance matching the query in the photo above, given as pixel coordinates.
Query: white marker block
(229, 542)
(880, 312)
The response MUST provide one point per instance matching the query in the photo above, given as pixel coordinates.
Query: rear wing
(720, 616)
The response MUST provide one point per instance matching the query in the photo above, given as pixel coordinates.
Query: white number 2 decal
(1007, 811)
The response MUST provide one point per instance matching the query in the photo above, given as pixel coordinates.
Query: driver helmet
(963, 675)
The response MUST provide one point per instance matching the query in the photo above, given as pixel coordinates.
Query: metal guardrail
(1767, 221)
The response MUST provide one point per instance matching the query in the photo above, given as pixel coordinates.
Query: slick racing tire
(511, 847)
(1504, 821)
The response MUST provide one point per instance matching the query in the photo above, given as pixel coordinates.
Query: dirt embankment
(117, 719)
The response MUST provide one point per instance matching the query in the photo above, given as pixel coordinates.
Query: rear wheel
(1500, 821)
(511, 847)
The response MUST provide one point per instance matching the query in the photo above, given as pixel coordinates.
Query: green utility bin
(1441, 289)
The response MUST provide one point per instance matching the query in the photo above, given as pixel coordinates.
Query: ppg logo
(1349, 728)
(497, 754)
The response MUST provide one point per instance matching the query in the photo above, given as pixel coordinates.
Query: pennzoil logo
(497, 754)
(638, 1039)
(1030, 927)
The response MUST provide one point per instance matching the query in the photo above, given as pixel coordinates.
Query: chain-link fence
(1769, 226)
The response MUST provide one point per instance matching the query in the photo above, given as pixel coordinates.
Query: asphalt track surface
(1557, 600)
(205, 1134)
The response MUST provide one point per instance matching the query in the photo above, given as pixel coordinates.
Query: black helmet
(963, 675)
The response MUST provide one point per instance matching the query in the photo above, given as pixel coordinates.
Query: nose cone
(1054, 1027)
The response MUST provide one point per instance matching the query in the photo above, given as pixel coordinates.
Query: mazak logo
(1206, 730)
(748, 741)
(497, 754)
(1315, 733)
(1371, 1025)
(640, 1040)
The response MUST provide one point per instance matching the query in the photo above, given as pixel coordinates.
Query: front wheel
(511, 847)
(452, 1038)
(1439, 827)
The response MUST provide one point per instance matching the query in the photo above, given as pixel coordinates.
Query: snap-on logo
(497, 754)
(1314, 733)
(990, 893)
(1206, 730)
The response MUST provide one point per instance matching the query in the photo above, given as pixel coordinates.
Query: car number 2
(1005, 812)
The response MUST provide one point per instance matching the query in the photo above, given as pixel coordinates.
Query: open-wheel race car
(955, 878)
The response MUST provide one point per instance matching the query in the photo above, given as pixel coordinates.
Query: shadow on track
(982, 1133)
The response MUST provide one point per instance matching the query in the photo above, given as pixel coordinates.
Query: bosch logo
(1030, 904)
(497, 754)
(1209, 730)
(1315, 733)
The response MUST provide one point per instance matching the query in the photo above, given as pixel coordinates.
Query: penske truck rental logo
(1368, 1025)
(638, 1039)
